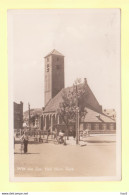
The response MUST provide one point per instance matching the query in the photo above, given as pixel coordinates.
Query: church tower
(54, 74)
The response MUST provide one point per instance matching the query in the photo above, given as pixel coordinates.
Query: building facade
(18, 115)
(94, 118)
(54, 75)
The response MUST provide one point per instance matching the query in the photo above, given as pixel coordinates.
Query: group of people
(58, 136)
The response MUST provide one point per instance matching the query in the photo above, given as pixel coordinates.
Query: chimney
(85, 81)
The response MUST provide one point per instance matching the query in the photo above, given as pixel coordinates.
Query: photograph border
(11, 15)
(64, 186)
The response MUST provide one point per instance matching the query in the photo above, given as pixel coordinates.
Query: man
(24, 140)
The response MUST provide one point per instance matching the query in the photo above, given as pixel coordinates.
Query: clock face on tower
(47, 68)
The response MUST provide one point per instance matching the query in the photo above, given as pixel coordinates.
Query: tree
(72, 100)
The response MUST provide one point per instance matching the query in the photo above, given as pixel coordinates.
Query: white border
(10, 117)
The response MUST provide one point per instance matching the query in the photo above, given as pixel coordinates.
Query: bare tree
(72, 100)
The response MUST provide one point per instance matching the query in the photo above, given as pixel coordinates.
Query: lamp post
(79, 111)
(77, 116)
(29, 114)
(77, 125)
(67, 127)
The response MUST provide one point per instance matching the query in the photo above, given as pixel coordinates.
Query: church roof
(54, 52)
(53, 104)
(91, 115)
(89, 101)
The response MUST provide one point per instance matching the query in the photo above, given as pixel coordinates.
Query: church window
(47, 69)
(47, 59)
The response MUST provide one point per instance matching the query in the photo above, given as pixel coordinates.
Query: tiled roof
(91, 116)
(53, 104)
(54, 52)
(90, 100)
(109, 112)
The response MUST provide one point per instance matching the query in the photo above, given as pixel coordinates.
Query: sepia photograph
(64, 76)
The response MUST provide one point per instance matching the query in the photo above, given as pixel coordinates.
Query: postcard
(64, 75)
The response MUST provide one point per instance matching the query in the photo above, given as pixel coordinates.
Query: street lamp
(29, 114)
(77, 114)
(77, 125)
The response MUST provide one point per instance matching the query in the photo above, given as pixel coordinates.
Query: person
(87, 132)
(38, 137)
(61, 136)
(24, 138)
(48, 133)
(55, 134)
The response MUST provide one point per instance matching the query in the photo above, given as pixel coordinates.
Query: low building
(94, 118)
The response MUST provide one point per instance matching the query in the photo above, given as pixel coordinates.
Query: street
(96, 158)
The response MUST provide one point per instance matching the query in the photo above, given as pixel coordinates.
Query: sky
(88, 38)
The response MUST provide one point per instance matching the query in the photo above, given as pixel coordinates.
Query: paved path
(97, 158)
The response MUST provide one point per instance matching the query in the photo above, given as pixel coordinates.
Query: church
(95, 119)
